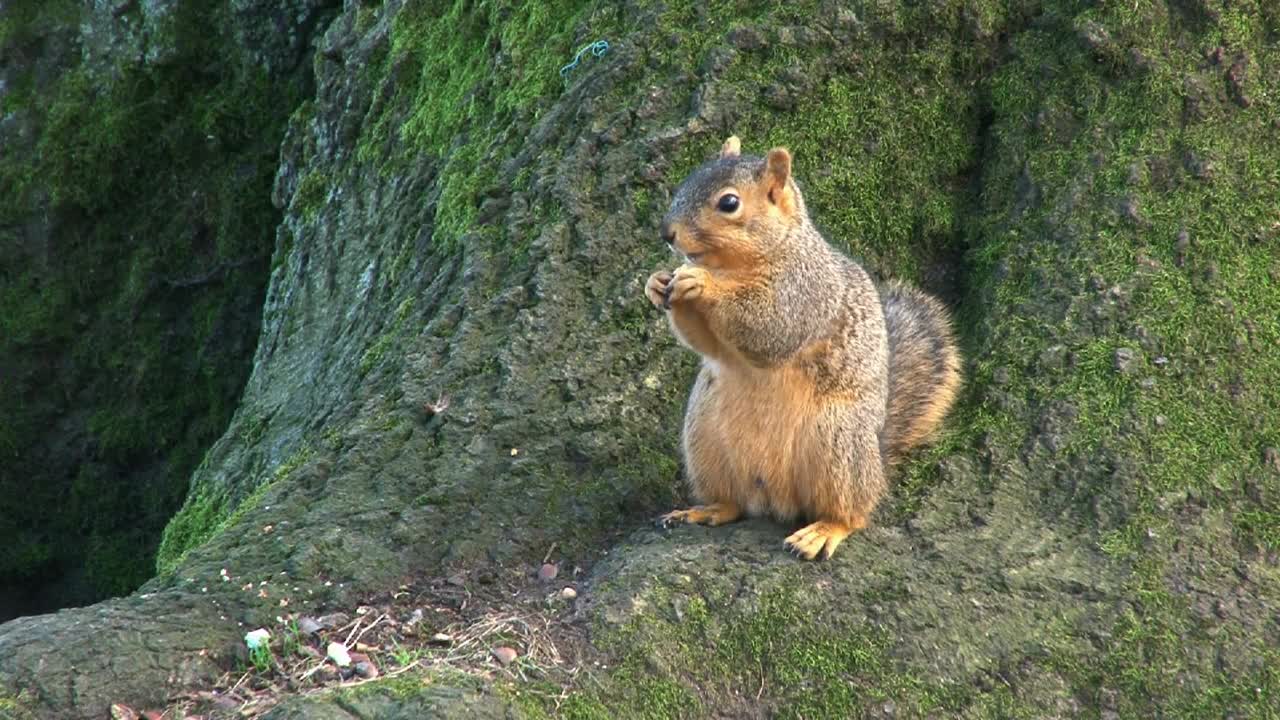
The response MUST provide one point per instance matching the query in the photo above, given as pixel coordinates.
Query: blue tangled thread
(597, 48)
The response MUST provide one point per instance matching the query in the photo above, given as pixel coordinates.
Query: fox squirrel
(813, 381)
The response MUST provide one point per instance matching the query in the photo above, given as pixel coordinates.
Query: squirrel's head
(734, 209)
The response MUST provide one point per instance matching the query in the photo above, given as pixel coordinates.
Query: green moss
(141, 319)
(1119, 147)
(17, 706)
(1055, 177)
(208, 512)
(26, 22)
(716, 655)
(312, 192)
(377, 351)
(196, 521)
(466, 74)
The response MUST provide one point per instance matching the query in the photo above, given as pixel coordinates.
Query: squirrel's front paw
(689, 283)
(658, 289)
(714, 514)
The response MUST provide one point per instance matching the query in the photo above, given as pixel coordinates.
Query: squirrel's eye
(728, 203)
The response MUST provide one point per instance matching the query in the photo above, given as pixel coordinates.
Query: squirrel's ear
(777, 172)
(732, 148)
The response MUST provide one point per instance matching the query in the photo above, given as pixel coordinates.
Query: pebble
(505, 655)
(366, 670)
(548, 572)
(308, 626)
(337, 652)
(441, 639)
(1271, 456)
(568, 593)
(1124, 359)
(333, 620)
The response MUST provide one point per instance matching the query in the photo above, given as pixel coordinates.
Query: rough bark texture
(1093, 189)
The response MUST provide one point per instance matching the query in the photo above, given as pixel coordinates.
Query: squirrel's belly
(767, 430)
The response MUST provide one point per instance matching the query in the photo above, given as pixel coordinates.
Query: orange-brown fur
(788, 415)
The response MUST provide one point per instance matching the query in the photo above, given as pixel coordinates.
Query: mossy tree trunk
(140, 143)
(1093, 188)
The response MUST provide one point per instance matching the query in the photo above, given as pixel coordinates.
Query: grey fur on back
(924, 367)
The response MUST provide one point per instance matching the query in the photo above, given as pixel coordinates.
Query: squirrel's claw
(658, 289)
(713, 514)
(820, 538)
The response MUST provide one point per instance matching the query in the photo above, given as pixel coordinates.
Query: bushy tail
(924, 368)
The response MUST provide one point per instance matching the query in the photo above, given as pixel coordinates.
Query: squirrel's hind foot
(820, 538)
(713, 514)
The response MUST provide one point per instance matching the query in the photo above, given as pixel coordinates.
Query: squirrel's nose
(668, 233)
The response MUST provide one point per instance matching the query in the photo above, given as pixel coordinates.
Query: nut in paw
(689, 283)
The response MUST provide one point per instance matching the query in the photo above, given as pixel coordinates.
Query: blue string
(597, 48)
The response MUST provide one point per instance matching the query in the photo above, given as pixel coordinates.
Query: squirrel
(814, 381)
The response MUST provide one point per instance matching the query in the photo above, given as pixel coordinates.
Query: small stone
(548, 572)
(1124, 359)
(745, 38)
(123, 712)
(337, 652)
(308, 626)
(1235, 81)
(1053, 357)
(457, 580)
(505, 655)
(333, 620)
(1161, 421)
(1271, 456)
(779, 97)
(1096, 37)
(366, 669)
(441, 639)
(1130, 210)
(568, 593)
(1180, 247)
(257, 638)
(415, 618)
(1148, 383)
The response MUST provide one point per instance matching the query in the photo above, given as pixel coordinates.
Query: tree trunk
(1093, 191)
